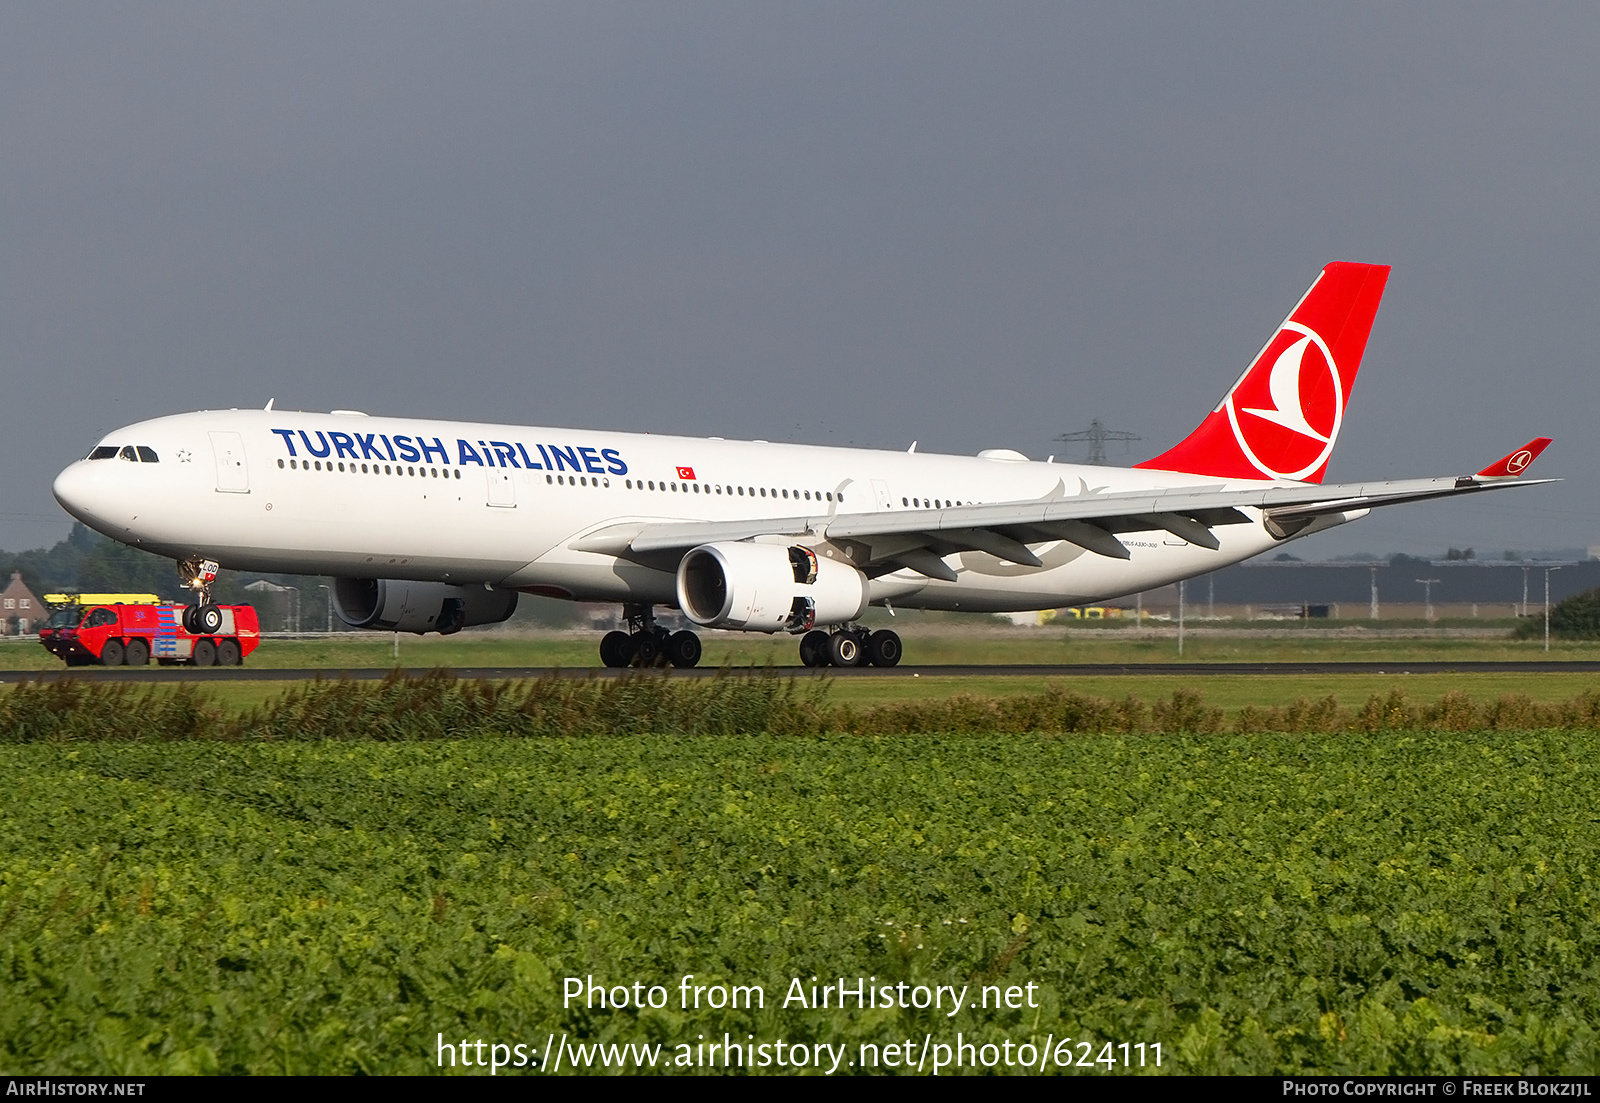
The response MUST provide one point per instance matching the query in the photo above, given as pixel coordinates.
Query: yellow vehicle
(101, 599)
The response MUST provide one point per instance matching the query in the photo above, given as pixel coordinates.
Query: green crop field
(271, 891)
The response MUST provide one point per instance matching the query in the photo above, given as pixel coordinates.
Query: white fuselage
(373, 497)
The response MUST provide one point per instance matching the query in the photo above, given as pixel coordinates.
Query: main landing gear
(647, 644)
(849, 645)
(202, 618)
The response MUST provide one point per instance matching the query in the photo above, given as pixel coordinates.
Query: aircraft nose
(85, 492)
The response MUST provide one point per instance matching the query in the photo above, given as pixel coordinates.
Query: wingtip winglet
(1517, 462)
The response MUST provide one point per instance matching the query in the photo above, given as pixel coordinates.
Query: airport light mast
(1427, 597)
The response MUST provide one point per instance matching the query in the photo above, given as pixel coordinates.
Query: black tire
(814, 649)
(209, 619)
(112, 653)
(138, 653)
(228, 653)
(186, 618)
(646, 649)
(883, 648)
(205, 653)
(845, 650)
(616, 649)
(683, 650)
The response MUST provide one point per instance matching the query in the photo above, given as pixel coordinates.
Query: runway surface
(1068, 670)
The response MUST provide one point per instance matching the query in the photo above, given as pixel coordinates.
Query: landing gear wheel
(616, 649)
(883, 648)
(111, 654)
(647, 648)
(138, 653)
(683, 649)
(844, 649)
(205, 653)
(228, 653)
(209, 619)
(187, 620)
(814, 649)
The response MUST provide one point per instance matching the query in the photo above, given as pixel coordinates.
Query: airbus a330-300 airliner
(434, 526)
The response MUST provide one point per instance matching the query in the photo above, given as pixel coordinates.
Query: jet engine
(767, 588)
(392, 605)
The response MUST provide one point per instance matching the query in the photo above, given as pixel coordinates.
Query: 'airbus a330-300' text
(433, 526)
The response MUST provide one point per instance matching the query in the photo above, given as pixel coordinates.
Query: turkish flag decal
(686, 473)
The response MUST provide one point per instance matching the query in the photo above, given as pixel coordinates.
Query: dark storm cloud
(969, 225)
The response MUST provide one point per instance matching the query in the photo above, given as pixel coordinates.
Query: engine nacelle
(394, 605)
(767, 588)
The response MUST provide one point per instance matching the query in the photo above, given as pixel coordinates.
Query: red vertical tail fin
(1282, 418)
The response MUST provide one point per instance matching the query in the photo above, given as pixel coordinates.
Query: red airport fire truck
(83, 633)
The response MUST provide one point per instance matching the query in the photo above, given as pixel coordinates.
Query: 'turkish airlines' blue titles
(415, 448)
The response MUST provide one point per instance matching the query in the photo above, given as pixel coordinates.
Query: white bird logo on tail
(1284, 386)
(1288, 393)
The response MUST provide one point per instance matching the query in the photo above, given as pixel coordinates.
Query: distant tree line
(1576, 618)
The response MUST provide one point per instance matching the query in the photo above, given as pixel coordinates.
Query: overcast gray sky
(974, 225)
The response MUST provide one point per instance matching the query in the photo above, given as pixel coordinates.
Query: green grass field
(925, 644)
(932, 646)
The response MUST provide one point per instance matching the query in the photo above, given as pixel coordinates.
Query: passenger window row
(937, 503)
(377, 469)
(732, 491)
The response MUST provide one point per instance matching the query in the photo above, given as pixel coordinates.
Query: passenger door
(233, 477)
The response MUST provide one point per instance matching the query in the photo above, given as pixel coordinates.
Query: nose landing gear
(646, 644)
(202, 618)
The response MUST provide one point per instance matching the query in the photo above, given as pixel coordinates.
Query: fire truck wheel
(228, 653)
(111, 653)
(205, 653)
(138, 653)
(209, 619)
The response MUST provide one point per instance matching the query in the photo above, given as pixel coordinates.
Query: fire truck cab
(133, 634)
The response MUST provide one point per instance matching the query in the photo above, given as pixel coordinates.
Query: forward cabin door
(502, 492)
(233, 477)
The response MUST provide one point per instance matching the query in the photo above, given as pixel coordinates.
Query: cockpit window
(148, 455)
(103, 452)
(128, 454)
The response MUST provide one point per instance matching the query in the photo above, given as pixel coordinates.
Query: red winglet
(1516, 463)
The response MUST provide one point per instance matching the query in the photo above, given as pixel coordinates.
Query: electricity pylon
(1097, 435)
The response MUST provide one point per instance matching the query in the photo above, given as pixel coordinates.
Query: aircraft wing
(919, 539)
